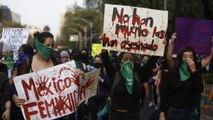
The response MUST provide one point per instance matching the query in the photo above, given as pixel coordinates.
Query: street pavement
(206, 115)
(148, 112)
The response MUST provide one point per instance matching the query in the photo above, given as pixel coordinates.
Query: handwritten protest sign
(54, 92)
(88, 85)
(96, 49)
(13, 38)
(135, 30)
(194, 32)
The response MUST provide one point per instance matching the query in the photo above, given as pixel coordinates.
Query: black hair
(28, 49)
(42, 36)
(86, 50)
(120, 56)
(75, 51)
(180, 55)
(96, 57)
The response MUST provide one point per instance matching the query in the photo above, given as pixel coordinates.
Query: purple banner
(195, 33)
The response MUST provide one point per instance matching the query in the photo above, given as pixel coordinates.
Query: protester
(4, 90)
(55, 54)
(3, 67)
(43, 43)
(114, 58)
(125, 91)
(42, 59)
(86, 58)
(64, 56)
(83, 108)
(98, 102)
(22, 66)
(154, 81)
(8, 60)
(76, 56)
(203, 63)
(145, 78)
(180, 87)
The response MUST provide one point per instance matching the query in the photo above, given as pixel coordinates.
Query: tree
(177, 8)
(75, 20)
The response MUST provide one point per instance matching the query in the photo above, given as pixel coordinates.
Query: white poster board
(54, 92)
(134, 29)
(13, 38)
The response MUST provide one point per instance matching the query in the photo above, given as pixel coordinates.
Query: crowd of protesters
(125, 81)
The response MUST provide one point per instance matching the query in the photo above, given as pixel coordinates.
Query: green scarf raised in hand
(127, 73)
(184, 71)
(43, 50)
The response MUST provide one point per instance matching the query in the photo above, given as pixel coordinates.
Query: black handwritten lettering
(107, 42)
(138, 46)
(137, 31)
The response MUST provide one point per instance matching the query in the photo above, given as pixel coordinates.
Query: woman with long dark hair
(180, 87)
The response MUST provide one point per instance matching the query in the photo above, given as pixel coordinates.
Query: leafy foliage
(177, 8)
(78, 19)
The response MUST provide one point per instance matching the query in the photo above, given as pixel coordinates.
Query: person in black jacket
(125, 85)
(4, 90)
(180, 87)
(3, 68)
(203, 63)
(98, 102)
(22, 66)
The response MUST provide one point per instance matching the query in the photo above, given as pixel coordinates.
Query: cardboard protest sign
(54, 92)
(88, 85)
(13, 38)
(134, 29)
(194, 32)
(96, 49)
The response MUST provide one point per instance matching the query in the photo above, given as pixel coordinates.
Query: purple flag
(195, 33)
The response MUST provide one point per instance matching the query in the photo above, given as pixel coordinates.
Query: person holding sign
(42, 59)
(125, 85)
(99, 101)
(22, 66)
(43, 43)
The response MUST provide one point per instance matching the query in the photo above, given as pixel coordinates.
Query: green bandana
(43, 50)
(127, 73)
(184, 71)
(8, 60)
(78, 64)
